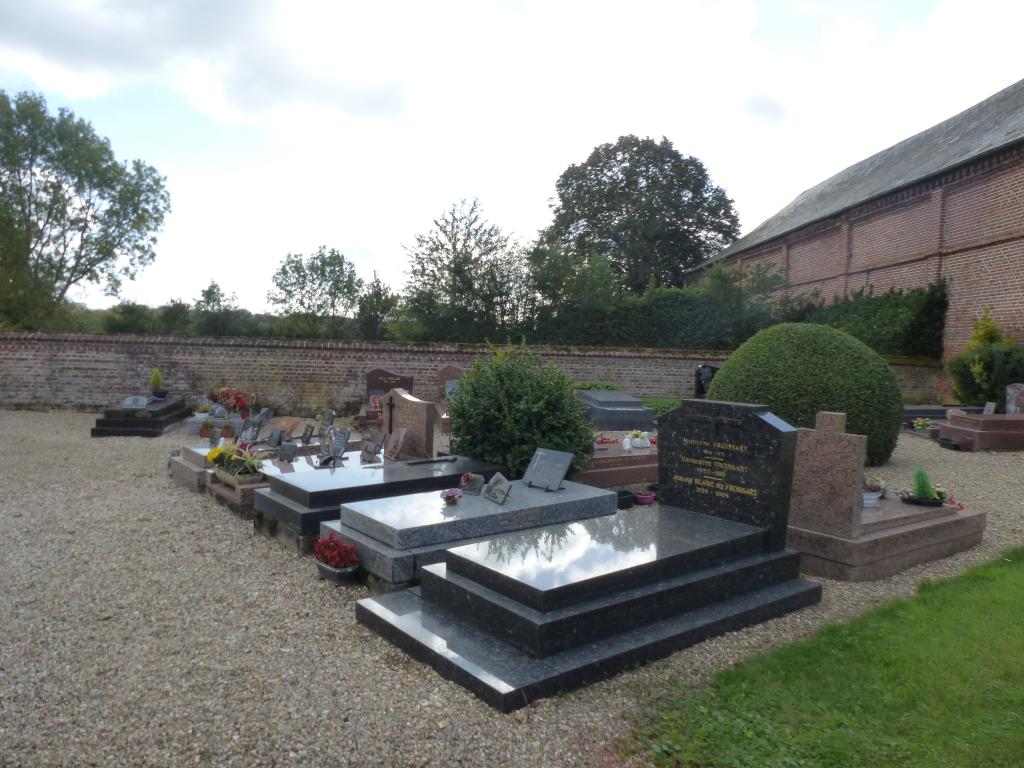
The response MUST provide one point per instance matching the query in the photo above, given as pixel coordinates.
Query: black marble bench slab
(542, 634)
(557, 565)
(508, 678)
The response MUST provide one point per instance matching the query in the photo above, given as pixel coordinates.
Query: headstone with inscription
(728, 460)
(403, 411)
(496, 489)
(378, 383)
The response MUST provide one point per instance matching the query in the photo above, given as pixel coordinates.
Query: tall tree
(377, 305)
(70, 213)
(316, 293)
(651, 212)
(467, 280)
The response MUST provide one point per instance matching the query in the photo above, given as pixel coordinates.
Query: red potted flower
(336, 559)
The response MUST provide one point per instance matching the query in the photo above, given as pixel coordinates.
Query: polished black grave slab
(531, 613)
(155, 419)
(544, 610)
(302, 500)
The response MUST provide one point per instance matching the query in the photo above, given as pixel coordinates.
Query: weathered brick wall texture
(92, 372)
(967, 227)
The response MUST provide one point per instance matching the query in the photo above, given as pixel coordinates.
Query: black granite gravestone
(150, 419)
(533, 612)
(728, 460)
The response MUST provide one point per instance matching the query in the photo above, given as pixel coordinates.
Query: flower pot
(236, 480)
(644, 498)
(205, 431)
(337, 575)
(625, 499)
(921, 502)
(922, 430)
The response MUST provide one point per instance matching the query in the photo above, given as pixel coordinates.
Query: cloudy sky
(281, 126)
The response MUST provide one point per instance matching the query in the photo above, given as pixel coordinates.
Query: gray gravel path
(145, 625)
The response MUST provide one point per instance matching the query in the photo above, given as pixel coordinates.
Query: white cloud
(376, 117)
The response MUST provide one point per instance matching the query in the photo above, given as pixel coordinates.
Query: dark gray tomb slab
(534, 612)
(140, 416)
(610, 409)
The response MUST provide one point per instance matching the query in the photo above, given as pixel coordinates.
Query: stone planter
(160, 392)
(236, 480)
(337, 575)
(921, 502)
(206, 431)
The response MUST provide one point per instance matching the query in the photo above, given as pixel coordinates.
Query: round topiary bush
(798, 369)
(510, 404)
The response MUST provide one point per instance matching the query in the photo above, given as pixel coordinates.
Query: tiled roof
(986, 127)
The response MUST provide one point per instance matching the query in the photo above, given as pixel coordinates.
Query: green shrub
(909, 323)
(980, 375)
(603, 385)
(923, 488)
(660, 404)
(510, 404)
(799, 369)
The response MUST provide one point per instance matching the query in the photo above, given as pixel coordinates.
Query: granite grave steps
(508, 678)
(539, 611)
(162, 416)
(395, 537)
(542, 633)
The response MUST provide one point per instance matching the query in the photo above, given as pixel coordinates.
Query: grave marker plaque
(276, 438)
(287, 452)
(497, 489)
(1014, 399)
(220, 412)
(547, 469)
(728, 460)
(990, 408)
(307, 434)
(394, 445)
(135, 402)
(215, 437)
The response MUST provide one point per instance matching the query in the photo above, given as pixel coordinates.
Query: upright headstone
(828, 479)
(1014, 399)
(448, 381)
(419, 420)
(728, 460)
(990, 408)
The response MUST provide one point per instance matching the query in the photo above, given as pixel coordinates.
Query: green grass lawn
(934, 680)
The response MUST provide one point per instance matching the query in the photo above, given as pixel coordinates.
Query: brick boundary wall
(966, 225)
(91, 372)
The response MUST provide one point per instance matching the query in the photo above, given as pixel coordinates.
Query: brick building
(946, 203)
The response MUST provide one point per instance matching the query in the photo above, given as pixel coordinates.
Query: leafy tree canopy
(70, 213)
(317, 293)
(377, 306)
(650, 211)
(467, 279)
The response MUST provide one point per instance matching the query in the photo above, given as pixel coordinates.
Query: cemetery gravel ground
(143, 624)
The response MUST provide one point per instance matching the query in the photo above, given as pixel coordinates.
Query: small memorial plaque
(339, 442)
(307, 434)
(990, 408)
(134, 403)
(276, 438)
(215, 437)
(497, 489)
(394, 446)
(547, 469)
(220, 412)
(250, 431)
(328, 418)
(471, 484)
(371, 448)
(287, 451)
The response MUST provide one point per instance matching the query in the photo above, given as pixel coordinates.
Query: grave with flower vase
(611, 409)
(839, 537)
(405, 463)
(612, 465)
(526, 614)
(142, 416)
